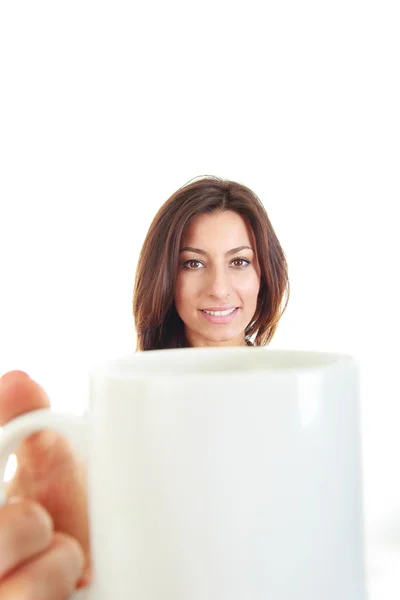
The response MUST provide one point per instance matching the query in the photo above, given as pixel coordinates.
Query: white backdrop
(107, 108)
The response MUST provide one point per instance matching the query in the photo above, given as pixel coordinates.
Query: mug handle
(16, 431)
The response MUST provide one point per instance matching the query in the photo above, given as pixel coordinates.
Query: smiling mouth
(219, 313)
(220, 317)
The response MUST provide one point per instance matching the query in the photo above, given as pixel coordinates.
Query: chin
(225, 338)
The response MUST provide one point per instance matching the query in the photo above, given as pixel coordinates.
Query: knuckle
(51, 575)
(34, 514)
(25, 528)
(71, 547)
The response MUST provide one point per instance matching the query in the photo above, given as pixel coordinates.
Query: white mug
(220, 474)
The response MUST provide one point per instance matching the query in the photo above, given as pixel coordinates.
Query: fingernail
(85, 579)
(82, 582)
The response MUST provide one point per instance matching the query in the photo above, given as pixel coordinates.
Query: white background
(107, 108)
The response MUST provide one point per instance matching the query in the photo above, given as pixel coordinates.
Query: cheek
(185, 291)
(178, 293)
(249, 285)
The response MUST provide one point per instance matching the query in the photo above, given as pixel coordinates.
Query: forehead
(216, 230)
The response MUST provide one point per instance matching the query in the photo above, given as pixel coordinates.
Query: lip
(220, 320)
(215, 308)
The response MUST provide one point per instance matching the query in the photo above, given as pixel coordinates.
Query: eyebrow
(204, 253)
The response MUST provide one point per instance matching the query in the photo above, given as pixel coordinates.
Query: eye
(192, 265)
(243, 262)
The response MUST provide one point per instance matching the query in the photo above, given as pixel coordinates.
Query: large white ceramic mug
(220, 474)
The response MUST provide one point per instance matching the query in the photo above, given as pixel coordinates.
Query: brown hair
(157, 322)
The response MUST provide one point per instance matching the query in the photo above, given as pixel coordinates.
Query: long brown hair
(157, 322)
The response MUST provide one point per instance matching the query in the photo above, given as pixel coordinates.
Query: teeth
(219, 313)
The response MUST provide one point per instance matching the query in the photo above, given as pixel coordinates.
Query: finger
(49, 470)
(25, 530)
(18, 395)
(52, 575)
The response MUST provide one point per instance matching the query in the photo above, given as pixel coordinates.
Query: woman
(211, 273)
(188, 265)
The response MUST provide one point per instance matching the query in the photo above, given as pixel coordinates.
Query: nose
(219, 283)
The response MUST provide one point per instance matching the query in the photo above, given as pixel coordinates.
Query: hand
(44, 539)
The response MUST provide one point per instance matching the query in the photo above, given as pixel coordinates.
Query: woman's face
(218, 279)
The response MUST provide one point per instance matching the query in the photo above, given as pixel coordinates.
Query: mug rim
(192, 362)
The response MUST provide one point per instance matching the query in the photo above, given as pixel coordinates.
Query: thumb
(18, 395)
